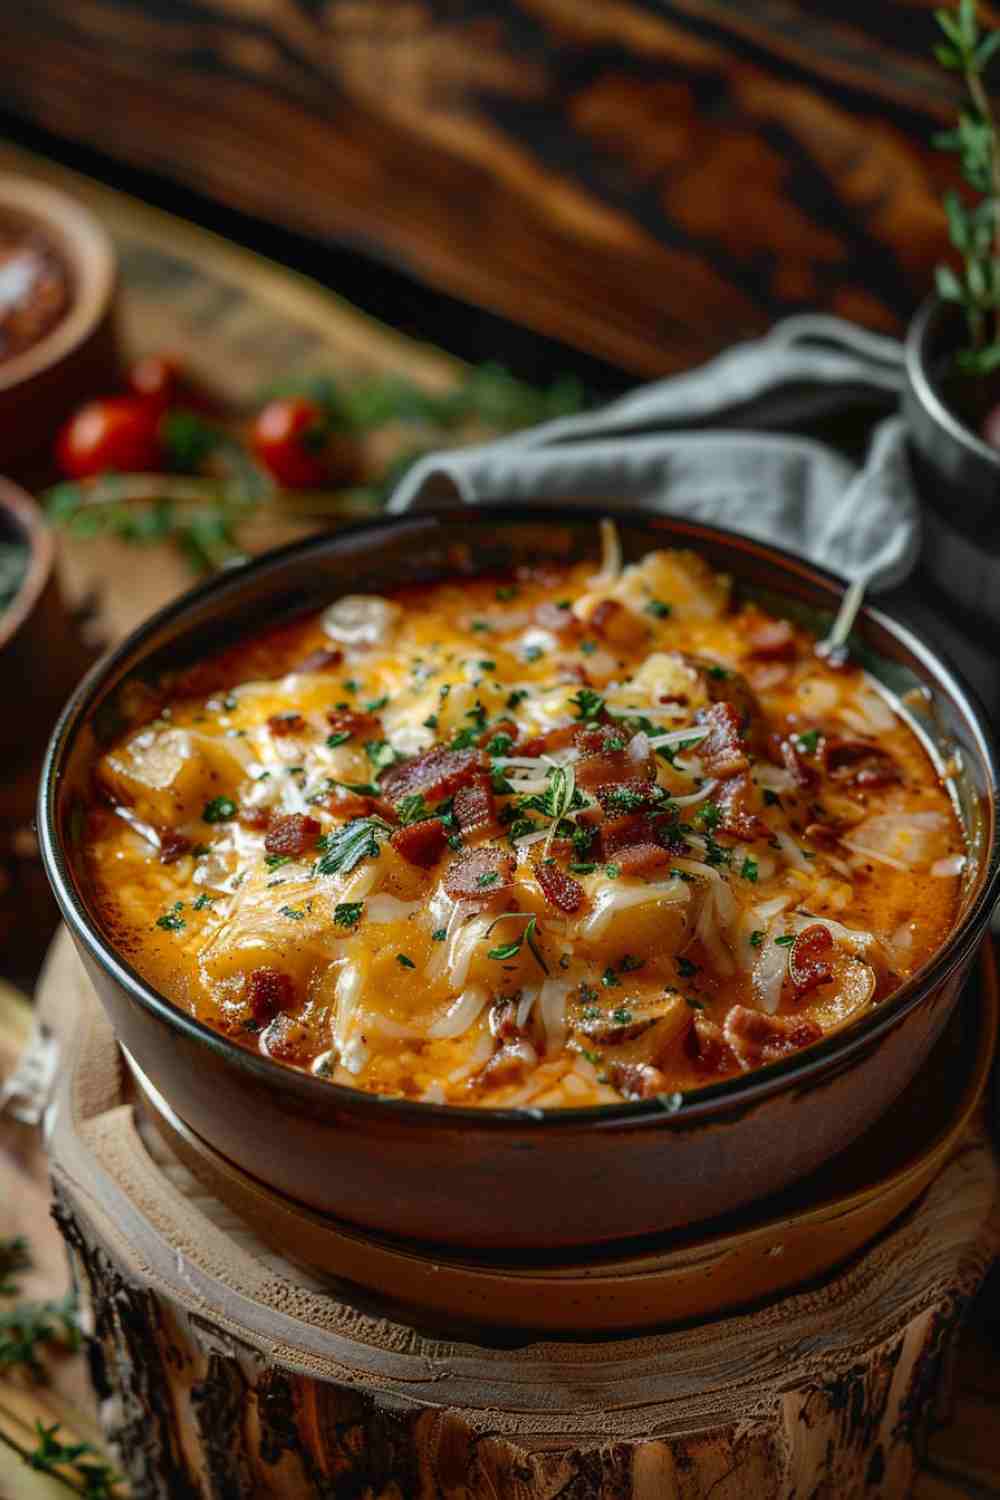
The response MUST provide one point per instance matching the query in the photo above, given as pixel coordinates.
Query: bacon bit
(256, 818)
(559, 889)
(616, 624)
(707, 1046)
(268, 992)
(479, 875)
(502, 726)
(287, 1039)
(421, 843)
(637, 1080)
(172, 846)
(619, 833)
(641, 859)
(554, 739)
(509, 1065)
(598, 739)
(757, 1038)
(604, 770)
(475, 807)
(825, 835)
(620, 796)
(436, 774)
(735, 802)
(282, 724)
(772, 640)
(503, 1019)
(321, 660)
(808, 967)
(785, 750)
(348, 721)
(859, 763)
(722, 751)
(559, 621)
(291, 834)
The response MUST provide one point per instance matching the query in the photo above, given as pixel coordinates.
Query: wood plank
(646, 181)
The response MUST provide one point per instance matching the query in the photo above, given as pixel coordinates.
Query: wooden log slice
(223, 1370)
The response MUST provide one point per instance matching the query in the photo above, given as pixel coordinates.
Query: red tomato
(290, 437)
(120, 433)
(156, 378)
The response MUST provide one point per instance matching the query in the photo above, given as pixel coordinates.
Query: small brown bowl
(519, 1178)
(41, 385)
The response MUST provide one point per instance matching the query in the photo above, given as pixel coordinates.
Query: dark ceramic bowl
(516, 1178)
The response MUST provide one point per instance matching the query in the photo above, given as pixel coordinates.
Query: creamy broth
(549, 840)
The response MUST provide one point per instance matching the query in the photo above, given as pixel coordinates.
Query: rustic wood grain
(645, 179)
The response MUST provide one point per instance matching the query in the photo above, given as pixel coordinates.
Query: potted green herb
(952, 390)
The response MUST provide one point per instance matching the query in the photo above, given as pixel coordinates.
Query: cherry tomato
(120, 433)
(290, 436)
(155, 378)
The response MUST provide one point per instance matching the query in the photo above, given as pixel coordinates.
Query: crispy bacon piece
(824, 835)
(268, 992)
(559, 889)
(510, 1064)
(436, 774)
(771, 640)
(808, 961)
(641, 859)
(784, 749)
(287, 1039)
(625, 796)
(723, 685)
(758, 1038)
(172, 846)
(618, 833)
(283, 724)
(637, 1080)
(707, 1045)
(722, 751)
(421, 843)
(352, 721)
(859, 763)
(607, 756)
(503, 1019)
(559, 621)
(323, 659)
(598, 739)
(292, 834)
(475, 807)
(735, 801)
(553, 739)
(479, 875)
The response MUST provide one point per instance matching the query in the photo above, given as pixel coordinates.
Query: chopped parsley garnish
(229, 703)
(339, 738)
(591, 1012)
(588, 647)
(709, 815)
(716, 854)
(359, 788)
(658, 609)
(381, 754)
(533, 653)
(200, 850)
(693, 1003)
(491, 878)
(412, 809)
(275, 861)
(808, 742)
(500, 784)
(628, 964)
(507, 592)
(294, 912)
(219, 810)
(483, 626)
(719, 673)
(464, 739)
(203, 900)
(771, 799)
(685, 968)
(621, 1016)
(172, 921)
(756, 938)
(405, 961)
(786, 940)
(610, 979)
(589, 995)
(487, 666)
(513, 948)
(587, 867)
(347, 913)
(352, 685)
(439, 934)
(589, 705)
(517, 696)
(376, 705)
(748, 869)
(346, 847)
(500, 744)
(431, 721)
(612, 871)
(625, 799)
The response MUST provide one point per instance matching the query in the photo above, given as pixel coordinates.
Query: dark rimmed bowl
(513, 1178)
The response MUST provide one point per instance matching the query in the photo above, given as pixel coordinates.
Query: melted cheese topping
(550, 840)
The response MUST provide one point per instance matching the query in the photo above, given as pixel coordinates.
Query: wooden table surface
(240, 321)
(644, 179)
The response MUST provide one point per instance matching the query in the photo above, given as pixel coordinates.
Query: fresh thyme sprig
(80, 1467)
(974, 227)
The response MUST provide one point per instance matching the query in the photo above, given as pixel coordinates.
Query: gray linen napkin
(863, 522)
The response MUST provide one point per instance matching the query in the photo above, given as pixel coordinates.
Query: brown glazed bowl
(77, 357)
(518, 1179)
